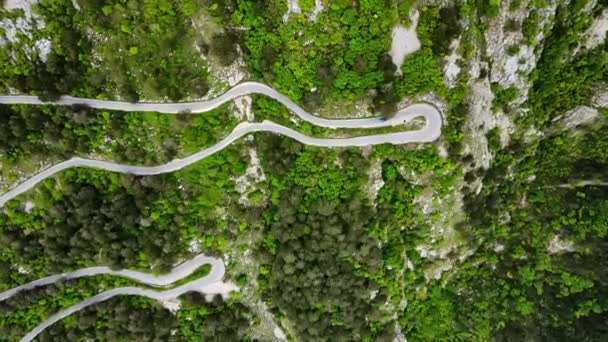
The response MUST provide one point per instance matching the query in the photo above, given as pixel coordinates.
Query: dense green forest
(416, 241)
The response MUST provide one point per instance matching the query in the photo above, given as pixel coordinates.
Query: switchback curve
(428, 133)
(179, 272)
(202, 285)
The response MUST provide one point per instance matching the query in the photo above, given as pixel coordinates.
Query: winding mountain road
(241, 89)
(194, 285)
(179, 272)
(203, 285)
(428, 133)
